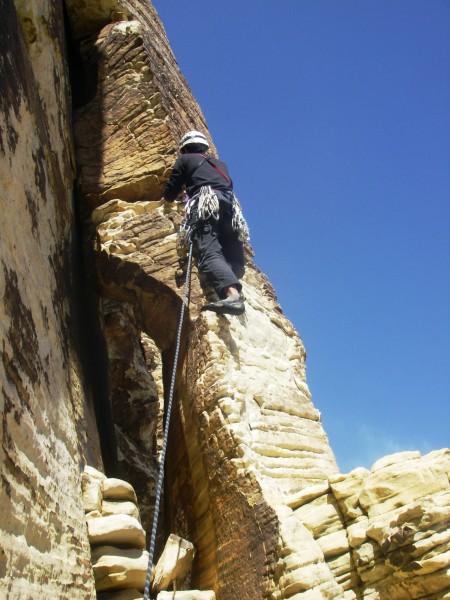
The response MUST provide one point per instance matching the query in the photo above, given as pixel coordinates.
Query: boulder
(116, 568)
(117, 489)
(187, 595)
(109, 507)
(175, 562)
(130, 594)
(117, 530)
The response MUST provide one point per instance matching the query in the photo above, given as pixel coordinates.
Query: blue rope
(159, 485)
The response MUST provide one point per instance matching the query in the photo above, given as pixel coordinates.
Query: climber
(217, 226)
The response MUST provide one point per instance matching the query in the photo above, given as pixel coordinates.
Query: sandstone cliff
(93, 105)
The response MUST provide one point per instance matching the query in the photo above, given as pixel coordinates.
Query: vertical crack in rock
(135, 400)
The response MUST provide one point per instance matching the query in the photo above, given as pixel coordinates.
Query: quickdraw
(208, 205)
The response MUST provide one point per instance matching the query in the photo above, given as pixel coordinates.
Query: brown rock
(187, 595)
(117, 568)
(116, 530)
(120, 508)
(118, 489)
(174, 563)
(48, 425)
(121, 595)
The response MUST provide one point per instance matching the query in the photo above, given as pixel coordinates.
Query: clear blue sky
(334, 118)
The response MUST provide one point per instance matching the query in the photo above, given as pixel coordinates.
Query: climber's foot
(227, 306)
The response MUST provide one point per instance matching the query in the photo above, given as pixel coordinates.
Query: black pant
(220, 253)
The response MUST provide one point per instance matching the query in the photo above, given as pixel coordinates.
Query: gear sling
(208, 206)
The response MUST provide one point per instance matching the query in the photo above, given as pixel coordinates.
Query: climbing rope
(159, 485)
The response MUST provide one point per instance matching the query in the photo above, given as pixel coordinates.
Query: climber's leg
(211, 259)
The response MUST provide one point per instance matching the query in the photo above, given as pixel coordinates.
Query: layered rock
(381, 533)
(47, 421)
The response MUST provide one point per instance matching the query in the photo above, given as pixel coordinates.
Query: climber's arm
(175, 181)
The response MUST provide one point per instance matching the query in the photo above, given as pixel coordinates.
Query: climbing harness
(160, 480)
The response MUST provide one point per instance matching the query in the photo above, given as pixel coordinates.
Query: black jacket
(194, 171)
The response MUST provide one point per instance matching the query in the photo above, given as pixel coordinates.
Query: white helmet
(194, 137)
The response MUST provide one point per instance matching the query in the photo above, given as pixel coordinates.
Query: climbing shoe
(227, 306)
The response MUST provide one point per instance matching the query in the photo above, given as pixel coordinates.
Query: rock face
(47, 419)
(381, 533)
(250, 478)
(249, 428)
